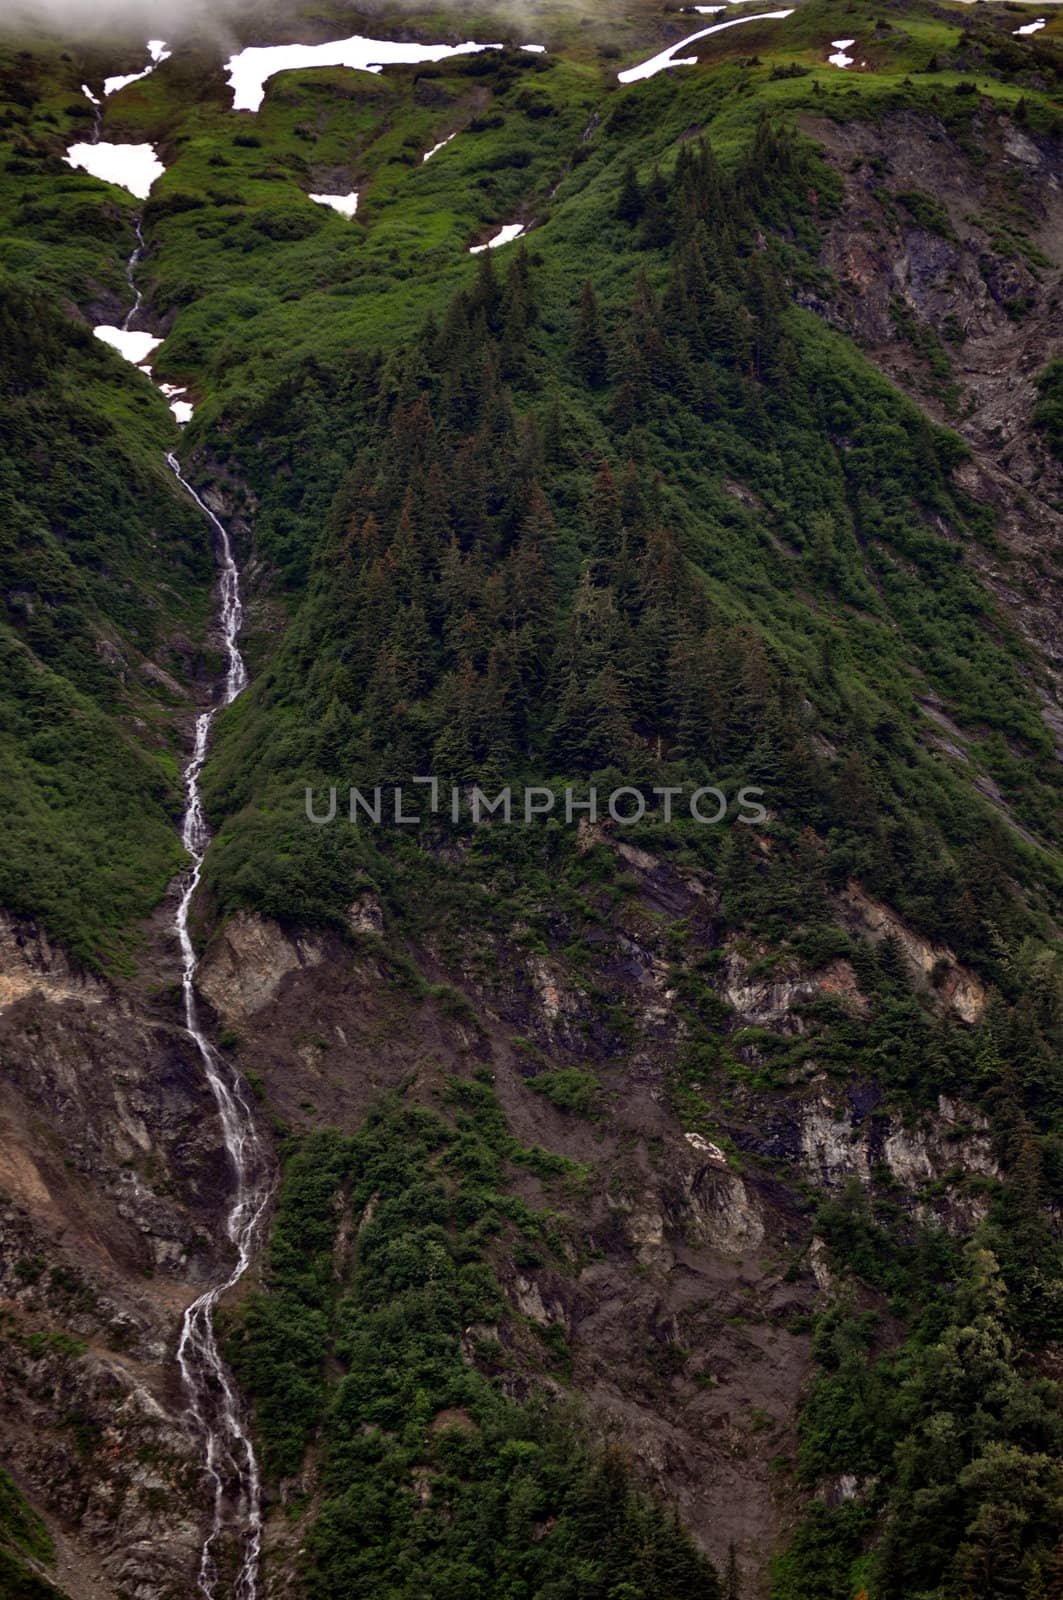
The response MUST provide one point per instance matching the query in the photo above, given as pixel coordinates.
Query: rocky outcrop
(31, 965)
(935, 248)
(837, 1145)
(773, 1000)
(247, 962)
(110, 1168)
(719, 1211)
(106, 1457)
(929, 965)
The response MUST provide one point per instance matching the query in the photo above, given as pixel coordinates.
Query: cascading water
(232, 1468)
(130, 274)
(97, 112)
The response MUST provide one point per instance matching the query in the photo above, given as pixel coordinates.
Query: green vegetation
(567, 1088)
(20, 1525)
(22, 1533)
(567, 612)
(610, 506)
(954, 1447)
(378, 1340)
(99, 564)
(1049, 412)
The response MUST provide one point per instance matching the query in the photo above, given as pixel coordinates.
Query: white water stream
(229, 1455)
(231, 1465)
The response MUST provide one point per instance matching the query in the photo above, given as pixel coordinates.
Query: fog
(84, 20)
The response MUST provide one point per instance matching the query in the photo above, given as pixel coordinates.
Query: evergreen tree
(629, 205)
(588, 343)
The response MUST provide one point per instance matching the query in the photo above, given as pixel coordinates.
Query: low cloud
(85, 20)
(232, 23)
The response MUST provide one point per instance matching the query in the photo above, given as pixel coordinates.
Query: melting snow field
(134, 166)
(840, 59)
(1033, 27)
(437, 147)
(345, 204)
(156, 50)
(136, 347)
(182, 409)
(670, 57)
(249, 70)
(512, 230)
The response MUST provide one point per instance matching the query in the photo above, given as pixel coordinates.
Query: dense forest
(463, 620)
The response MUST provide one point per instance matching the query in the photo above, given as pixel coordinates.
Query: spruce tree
(588, 343)
(629, 205)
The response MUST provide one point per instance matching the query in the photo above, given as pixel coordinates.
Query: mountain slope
(628, 1169)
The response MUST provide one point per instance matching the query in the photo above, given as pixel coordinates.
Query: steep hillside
(664, 1207)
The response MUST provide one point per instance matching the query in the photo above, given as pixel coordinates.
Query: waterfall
(230, 1463)
(230, 1457)
(138, 300)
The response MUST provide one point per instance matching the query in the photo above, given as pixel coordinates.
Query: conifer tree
(588, 342)
(656, 231)
(629, 205)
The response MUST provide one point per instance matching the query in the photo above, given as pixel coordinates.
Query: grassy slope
(102, 569)
(22, 1534)
(103, 566)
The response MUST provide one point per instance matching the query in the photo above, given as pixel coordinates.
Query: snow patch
(705, 1147)
(840, 59)
(132, 166)
(345, 204)
(135, 347)
(249, 69)
(87, 92)
(512, 230)
(182, 409)
(437, 147)
(1032, 27)
(156, 50)
(535, 49)
(668, 58)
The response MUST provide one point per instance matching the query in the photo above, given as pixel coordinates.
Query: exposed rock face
(248, 961)
(364, 914)
(720, 1211)
(927, 963)
(838, 1145)
(110, 1168)
(832, 1149)
(676, 1304)
(989, 299)
(773, 1002)
(675, 1307)
(30, 964)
